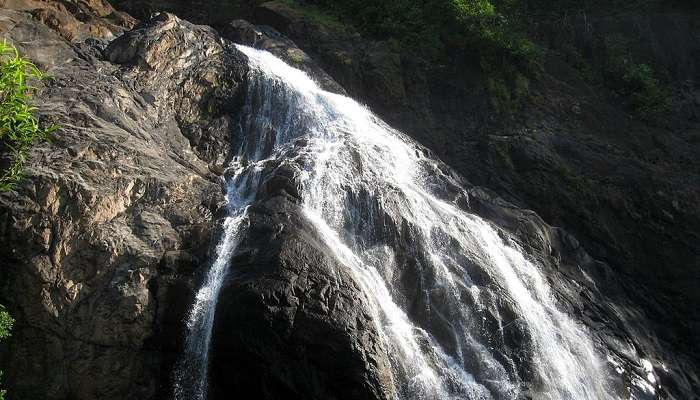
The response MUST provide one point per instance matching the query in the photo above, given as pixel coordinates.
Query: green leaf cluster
(440, 28)
(637, 82)
(647, 96)
(489, 33)
(19, 126)
(6, 322)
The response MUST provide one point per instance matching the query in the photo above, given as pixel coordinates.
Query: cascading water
(190, 377)
(463, 313)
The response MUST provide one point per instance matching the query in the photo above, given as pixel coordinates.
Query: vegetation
(636, 82)
(544, 7)
(19, 126)
(647, 96)
(433, 26)
(320, 17)
(6, 323)
(507, 57)
(494, 33)
(488, 32)
(619, 61)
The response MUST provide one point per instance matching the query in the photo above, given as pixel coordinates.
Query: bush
(6, 322)
(19, 126)
(435, 28)
(452, 32)
(646, 96)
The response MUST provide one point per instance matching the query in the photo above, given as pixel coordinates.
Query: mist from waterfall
(462, 311)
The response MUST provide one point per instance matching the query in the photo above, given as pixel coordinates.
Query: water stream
(462, 311)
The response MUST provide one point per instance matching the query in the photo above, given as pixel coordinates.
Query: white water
(191, 373)
(462, 312)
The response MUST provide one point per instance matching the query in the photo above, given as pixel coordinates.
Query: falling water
(463, 313)
(190, 376)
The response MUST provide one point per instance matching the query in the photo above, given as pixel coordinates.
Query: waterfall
(191, 372)
(462, 311)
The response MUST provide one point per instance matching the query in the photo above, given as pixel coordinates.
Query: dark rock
(214, 13)
(372, 69)
(291, 321)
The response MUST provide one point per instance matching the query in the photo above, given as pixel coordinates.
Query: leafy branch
(19, 126)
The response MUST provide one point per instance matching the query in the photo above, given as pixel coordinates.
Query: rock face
(291, 323)
(75, 20)
(103, 239)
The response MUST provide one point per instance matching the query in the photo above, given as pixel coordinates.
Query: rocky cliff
(103, 239)
(107, 238)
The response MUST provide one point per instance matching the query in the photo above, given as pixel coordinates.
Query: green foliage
(19, 126)
(497, 30)
(507, 91)
(645, 94)
(435, 28)
(400, 19)
(607, 7)
(319, 17)
(6, 322)
(488, 32)
(3, 392)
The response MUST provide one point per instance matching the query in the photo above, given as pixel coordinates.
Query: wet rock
(291, 321)
(373, 69)
(267, 38)
(108, 235)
